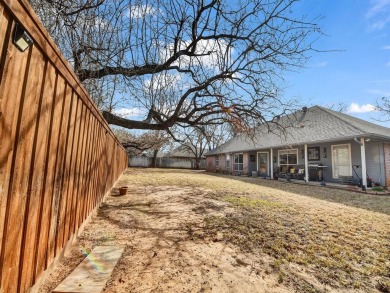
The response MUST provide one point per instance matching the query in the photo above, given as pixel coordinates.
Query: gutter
(367, 135)
(357, 141)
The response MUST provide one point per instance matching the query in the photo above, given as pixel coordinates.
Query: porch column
(306, 165)
(364, 167)
(271, 160)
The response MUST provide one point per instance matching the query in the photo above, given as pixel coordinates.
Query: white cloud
(356, 108)
(129, 112)
(210, 54)
(377, 6)
(140, 11)
(320, 64)
(379, 24)
(378, 14)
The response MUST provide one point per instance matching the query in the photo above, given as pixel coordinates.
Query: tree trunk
(197, 163)
(154, 159)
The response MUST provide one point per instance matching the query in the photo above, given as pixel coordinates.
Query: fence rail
(58, 157)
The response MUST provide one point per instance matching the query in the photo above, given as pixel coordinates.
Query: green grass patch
(244, 201)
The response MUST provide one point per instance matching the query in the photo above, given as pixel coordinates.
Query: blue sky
(358, 73)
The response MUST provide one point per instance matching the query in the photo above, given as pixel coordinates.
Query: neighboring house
(185, 154)
(323, 145)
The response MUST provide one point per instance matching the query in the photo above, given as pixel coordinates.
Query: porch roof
(315, 125)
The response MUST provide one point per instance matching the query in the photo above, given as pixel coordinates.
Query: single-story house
(187, 153)
(318, 145)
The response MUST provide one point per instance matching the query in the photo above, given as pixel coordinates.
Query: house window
(288, 157)
(313, 154)
(227, 162)
(238, 162)
(217, 161)
(341, 160)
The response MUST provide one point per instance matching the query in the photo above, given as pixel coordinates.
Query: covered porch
(341, 163)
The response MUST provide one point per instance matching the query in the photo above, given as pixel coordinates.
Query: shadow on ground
(370, 202)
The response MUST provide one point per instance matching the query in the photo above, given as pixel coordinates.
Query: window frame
(348, 145)
(289, 151)
(239, 164)
(313, 153)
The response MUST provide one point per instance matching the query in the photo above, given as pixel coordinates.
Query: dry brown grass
(313, 238)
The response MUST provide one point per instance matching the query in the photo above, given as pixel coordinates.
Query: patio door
(341, 160)
(262, 163)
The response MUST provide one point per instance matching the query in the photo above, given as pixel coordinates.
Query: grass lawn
(283, 236)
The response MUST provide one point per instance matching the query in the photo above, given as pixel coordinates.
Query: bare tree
(148, 141)
(195, 141)
(217, 134)
(383, 105)
(192, 62)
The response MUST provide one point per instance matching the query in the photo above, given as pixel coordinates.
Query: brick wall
(222, 163)
(210, 163)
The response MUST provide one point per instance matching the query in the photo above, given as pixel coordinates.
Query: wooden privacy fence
(58, 156)
(165, 162)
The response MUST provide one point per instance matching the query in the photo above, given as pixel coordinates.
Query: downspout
(306, 165)
(363, 158)
(357, 140)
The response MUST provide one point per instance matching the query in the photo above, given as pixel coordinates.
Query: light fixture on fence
(22, 39)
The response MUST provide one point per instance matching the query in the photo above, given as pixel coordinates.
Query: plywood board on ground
(93, 273)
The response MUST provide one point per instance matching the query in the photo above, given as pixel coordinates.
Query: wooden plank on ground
(93, 273)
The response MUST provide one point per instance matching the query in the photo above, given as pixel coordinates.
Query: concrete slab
(93, 273)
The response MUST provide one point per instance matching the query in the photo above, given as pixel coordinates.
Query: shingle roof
(183, 152)
(316, 125)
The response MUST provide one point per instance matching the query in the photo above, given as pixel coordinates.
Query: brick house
(314, 144)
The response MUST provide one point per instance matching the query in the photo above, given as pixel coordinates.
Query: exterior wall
(252, 165)
(245, 169)
(386, 150)
(229, 169)
(222, 164)
(210, 163)
(377, 160)
(374, 160)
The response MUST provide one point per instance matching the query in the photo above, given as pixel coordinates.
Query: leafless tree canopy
(182, 62)
(383, 105)
(151, 140)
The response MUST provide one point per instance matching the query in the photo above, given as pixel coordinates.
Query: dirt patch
(191, 232)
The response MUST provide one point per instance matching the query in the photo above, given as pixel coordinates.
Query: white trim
(306, 165)
(350, 158)
(257, 162)
(364, 163)
(228, 159)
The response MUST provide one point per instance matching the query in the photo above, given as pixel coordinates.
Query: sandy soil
(170, 245)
